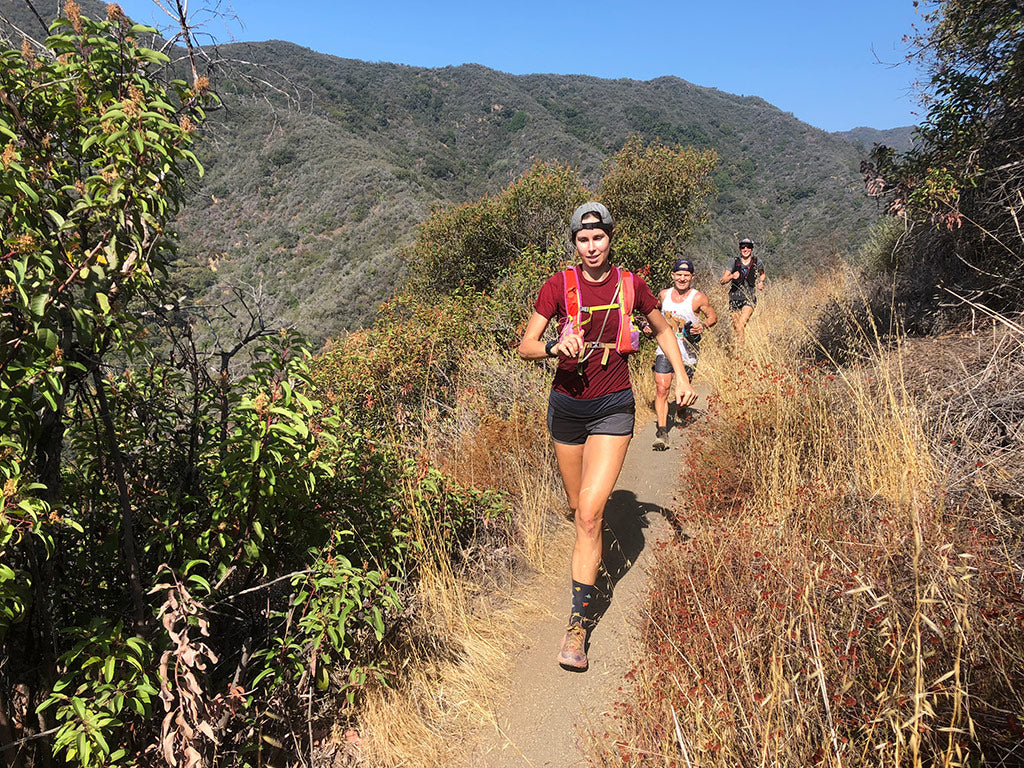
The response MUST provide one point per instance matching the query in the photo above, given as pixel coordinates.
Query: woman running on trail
(683, 307)
(746, 273)
(591, 409)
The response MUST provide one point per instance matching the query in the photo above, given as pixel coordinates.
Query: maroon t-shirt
(592, 379)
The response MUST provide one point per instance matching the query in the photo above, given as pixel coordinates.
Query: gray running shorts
(571, 421)
(662, 365)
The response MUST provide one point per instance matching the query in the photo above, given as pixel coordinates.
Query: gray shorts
(571, 421)
(662, 365)
(740, 299)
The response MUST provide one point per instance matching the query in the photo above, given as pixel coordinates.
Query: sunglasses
(746, 247)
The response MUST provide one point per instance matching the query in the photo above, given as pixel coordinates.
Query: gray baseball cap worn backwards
(605, 219)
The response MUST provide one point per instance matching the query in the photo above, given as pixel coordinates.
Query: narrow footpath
(537, 726)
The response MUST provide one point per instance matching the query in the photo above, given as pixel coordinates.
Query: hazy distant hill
(310, 190)
(900, 139)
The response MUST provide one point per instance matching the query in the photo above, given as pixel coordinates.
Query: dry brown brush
(850, 590)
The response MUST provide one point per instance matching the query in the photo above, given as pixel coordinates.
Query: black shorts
(740, 299)
(571, 420)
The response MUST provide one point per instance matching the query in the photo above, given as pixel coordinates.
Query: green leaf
(47, 338)
(377, 621)
(195, 578)
(48, 703)
(38, 304)
(101, 299)
(108, 669)
(27, 190)
(264, 674)
(84, 749)
(101, 743)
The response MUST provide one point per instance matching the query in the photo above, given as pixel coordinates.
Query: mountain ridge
(315, 182)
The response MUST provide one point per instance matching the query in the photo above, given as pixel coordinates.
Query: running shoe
(572, 654)
(661, 439)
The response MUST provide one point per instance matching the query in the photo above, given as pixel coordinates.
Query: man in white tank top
(689, 313)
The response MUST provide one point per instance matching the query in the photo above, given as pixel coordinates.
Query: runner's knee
(589, 522)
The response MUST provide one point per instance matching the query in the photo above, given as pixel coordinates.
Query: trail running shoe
(661, 439)
(572, 654)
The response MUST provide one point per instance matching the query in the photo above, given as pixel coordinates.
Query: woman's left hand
(685, 395)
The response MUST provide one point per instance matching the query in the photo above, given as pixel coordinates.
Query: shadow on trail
(625, 519)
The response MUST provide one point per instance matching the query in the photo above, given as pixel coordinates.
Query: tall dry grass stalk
(830, 608)
(498, 439)
(463, 625)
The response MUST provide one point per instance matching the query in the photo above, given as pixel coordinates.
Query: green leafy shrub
(958, 190)
(108, 688)
(401, 370)
(167, 531)
(658, 195)
(475, 243)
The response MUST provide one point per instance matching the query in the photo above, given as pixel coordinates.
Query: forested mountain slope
(313, 184)
(900, 139)
(314, 194)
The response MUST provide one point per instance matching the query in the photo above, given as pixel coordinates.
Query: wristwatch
(549, 346)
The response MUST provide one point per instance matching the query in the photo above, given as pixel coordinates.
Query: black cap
(746, 241)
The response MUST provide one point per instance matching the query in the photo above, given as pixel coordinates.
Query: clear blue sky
(830, 63)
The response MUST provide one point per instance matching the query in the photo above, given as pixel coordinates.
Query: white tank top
(684, 311)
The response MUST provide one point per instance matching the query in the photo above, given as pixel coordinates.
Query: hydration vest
(750, 278)
(628, 337)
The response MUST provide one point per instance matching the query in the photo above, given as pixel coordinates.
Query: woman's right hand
(570, 345)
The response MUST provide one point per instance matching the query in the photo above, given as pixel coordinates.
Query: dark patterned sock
(582, 594)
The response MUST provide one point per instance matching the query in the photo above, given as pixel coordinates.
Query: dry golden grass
(463, 622)
(450, 682)
(836, 606)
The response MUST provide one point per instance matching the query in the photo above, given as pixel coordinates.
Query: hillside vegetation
(320, 192)
(319, 169)
(899, 139)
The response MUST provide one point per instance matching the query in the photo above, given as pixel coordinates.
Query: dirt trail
(538, 725)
